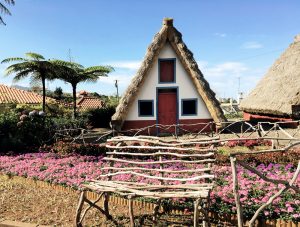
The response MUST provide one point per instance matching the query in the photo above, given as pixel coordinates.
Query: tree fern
(5, 10)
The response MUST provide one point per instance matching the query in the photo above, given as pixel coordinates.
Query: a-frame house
(168, 89)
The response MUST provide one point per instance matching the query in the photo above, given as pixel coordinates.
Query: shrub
(250, 143)
(19, 132)
(8, 128)
(290, 156)
(65, 148)
(100, 118)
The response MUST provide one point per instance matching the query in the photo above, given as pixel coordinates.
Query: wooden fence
(235, 130)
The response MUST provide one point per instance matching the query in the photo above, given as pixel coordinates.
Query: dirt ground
(44, 206)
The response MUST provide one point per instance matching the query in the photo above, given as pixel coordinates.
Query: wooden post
(157, 205)
(130, 209)
(211, 129)
(236, 192)
(79, 209)
(259, 130)
(106, 205)
(206, 220)
(196, 213)
(277, 133)
(273, 144)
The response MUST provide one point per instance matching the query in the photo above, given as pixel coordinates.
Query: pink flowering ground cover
(73, 170)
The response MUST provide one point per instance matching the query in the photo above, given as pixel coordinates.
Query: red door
(167, 109)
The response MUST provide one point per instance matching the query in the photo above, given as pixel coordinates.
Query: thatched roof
(278, 92)
(169, 34)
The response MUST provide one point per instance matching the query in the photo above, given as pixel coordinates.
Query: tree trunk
(74, 100)
(44, 93)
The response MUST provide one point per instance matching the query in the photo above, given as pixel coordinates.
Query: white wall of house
(186, 89)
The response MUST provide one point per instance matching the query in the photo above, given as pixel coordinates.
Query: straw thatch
(278, 92)
(169, 34)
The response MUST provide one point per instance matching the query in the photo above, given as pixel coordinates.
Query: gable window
(146, 108)
(188, 107)
(166, 70)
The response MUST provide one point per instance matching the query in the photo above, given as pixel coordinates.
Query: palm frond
(104, 69)
(69, 64)
(1, 21)
(10, 2)
(4, 10)
(35, 56)
(21, 75)
(7, 60)
(90, 79)
(35, 82)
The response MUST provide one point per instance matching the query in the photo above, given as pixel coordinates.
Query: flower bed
(73, 170)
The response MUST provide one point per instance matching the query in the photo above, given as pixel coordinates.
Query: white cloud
(202, 64)
(224, 78)
(123, 79)
(222, 35)
(252, 45)
(2, 69)
(220, 70)
(130, 65)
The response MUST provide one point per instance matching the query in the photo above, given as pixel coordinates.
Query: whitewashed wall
(186, 89)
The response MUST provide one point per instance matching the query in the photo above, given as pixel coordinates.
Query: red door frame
(157, 100)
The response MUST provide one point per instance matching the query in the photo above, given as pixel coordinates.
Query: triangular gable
(169, 34)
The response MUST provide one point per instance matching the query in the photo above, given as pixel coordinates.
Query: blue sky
(230, 39)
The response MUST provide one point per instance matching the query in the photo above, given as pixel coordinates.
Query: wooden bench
(151, 167)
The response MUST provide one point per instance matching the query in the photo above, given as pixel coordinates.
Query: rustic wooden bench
(155, 168)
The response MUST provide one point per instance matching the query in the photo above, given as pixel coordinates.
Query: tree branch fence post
(239, 209)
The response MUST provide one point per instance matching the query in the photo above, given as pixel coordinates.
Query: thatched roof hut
(169, 34)
(278, 92)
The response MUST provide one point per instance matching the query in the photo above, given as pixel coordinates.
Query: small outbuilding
(88, 102)
(168, 89)
(277, 95)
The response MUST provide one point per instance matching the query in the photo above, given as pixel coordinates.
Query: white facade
(183, 82)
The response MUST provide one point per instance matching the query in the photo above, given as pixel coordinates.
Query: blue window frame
(169, 78)
(146, 108)
(189, 107)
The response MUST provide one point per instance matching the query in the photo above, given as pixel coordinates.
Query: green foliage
(234, 115)
(222, 157)
(34, 66)
(4, 9)
(69, 123)
(74, 73)
(58, 93)
(100, 118)
(8, 127)
(65, 148)
(111, 100)
(20, 132)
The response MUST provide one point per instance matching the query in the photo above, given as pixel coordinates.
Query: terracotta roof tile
(14, 95)
(86, 103)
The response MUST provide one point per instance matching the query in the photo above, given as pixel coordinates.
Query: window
(188, 107)
(166, 70)
(146, 108)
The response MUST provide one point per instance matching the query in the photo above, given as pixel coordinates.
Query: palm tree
(4, 10)
(75, 73)
(35, 66)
